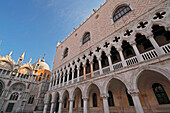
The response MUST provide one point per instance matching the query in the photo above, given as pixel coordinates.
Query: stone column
(110, 61)
(137, 51)
(68, 77)
(56, 82)
(105, 104)
(59, 82)
(45, 107)
(63, 80)
(155, 45)
(85, 105)
(122, 57)
(84, 71)
(71, 106)
(78, 73)
(136, 101)
(72, 75)
(52, 107)
(91, 68)
(100, 66)
(60, 106)
(50, 87)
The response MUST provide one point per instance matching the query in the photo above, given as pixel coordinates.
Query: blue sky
(37, 25)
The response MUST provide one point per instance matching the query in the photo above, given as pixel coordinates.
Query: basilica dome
(44, 65)
(41, 64)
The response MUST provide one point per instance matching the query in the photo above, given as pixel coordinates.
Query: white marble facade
(94, 81)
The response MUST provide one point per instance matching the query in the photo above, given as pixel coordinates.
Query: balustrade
(131, 61)
(166, 48)
(81, 78)
(96, 73)
(118, 65)
(88, 75)
(149, 55)
(106, 69)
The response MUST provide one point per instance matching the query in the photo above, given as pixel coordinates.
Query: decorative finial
(30, 60)
(39, 59)
(10, 53)
(58, 44)
(43, 59)
(23, 54)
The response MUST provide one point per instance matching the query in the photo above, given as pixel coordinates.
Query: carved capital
(104, 96)
(99, 58)
(71, 99)
(60, 101)
(133, 92)
(85, 98)
(133, 43)
(91, 62)
(119, 49)
(108, 54)
(84, 66)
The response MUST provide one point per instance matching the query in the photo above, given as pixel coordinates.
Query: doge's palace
(116, 61)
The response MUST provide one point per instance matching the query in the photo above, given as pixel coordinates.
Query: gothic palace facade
(23, 85)
(117, 61)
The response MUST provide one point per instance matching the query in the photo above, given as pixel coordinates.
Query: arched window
(57, 104)
(87, 67)
(14, 96)
(75, 72)
(31, 99)
(120, 12)
(94, 100)
(39, 79)
(65, 102)
(161, 36)
(95, 64)
(114, 55)
(81, 102)
(65, 80)
(104, 61)
(130, 100)
(160, 94)
(110, 99)
(65, 53)
(127, 50)
(58, 80)
(81, 69)
(70, 74)
(86, 37)
(143, 44)
(74, 102)
(1, 88)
